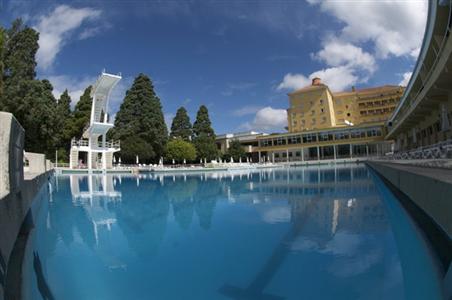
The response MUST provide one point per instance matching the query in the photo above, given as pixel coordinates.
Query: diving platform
(94, 139)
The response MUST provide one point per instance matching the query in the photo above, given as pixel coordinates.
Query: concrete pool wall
(427, 194)
(17, 191)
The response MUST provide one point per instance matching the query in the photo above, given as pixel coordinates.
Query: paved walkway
(440, 174)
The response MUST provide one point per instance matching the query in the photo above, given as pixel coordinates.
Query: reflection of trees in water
(142, 216)
(181, 194)
(206, 200)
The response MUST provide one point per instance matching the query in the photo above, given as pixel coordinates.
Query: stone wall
(16, 196)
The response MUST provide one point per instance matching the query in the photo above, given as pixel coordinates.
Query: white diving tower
(94, 139)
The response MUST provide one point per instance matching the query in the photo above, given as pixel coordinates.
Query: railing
(440, 150)
(85, 143)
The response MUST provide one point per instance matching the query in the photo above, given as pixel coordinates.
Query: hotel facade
(324, 125)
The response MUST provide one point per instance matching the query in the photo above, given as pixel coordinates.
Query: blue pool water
(299, 233)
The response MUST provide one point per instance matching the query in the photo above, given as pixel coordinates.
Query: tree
(133, 146)
(20, 45)
(30, 100)
(2, 65)
(64, 120)
(236, 150)
(141, 115)
(81, 115)
(181, 126)
(179, 150)
(40, 120)
(204, 135)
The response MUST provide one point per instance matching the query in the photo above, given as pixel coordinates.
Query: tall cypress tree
(204, 135)
(141, 117)
(181, 127)
(82, 114)
(64, 122)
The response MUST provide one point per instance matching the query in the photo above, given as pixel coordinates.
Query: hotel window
(313, 121)
(312, 112)
(357, 134)
(323, 119)
(298, 153)
(303, 122)
(326, 136)
(322, 110)
(280, 141)
(373, 132)
(346, 106)
(309, 138)
(321, 102)
(264, 143)
(348, 114)
(294, 140)
(341, 136)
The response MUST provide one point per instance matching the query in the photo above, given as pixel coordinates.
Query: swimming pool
(298, 233)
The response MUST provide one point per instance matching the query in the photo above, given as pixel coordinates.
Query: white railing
(440, 150)
(85, 143)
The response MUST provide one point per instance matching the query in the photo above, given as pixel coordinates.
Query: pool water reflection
(312, 233)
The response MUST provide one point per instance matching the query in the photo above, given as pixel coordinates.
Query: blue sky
(240, 58)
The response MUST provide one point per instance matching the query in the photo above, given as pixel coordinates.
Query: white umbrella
(240, 159)
(114, 159)
(119, 160)
(137, 160)
(173, 161)
(185, 161)
(232, 159)
(200, 161)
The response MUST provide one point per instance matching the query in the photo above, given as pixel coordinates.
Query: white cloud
(293, 82)
(266, 119)
(56, 28)
(406, 78)
(75, 85)
(240, 86)
(393, 27)
(337, 79)
(246, 110)
(338, 53)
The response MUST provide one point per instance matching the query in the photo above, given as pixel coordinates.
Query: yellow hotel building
(326, 125)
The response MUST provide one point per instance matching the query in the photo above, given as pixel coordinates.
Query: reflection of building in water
(342, 198)
(100, 192)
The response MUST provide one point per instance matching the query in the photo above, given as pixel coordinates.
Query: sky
(240, 58)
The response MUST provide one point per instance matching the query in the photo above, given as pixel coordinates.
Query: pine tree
(181, 126)
(82, 114)
(64, 120)
(141, 116)
(204, 135)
